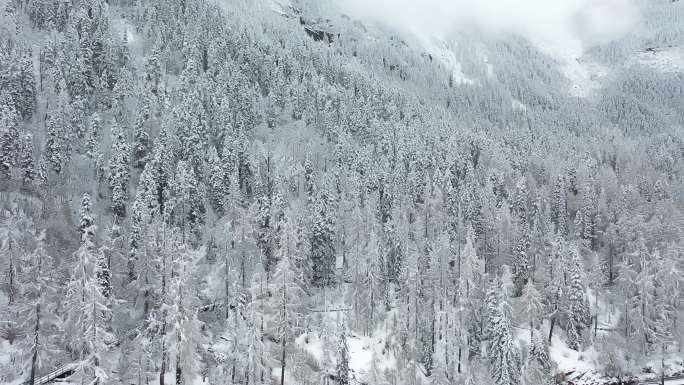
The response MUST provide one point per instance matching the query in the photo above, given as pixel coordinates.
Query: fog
(558, 24)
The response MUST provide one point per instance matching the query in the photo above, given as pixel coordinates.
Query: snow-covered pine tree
(59, 132)
(88, 336)
(256, 361)
(142, 142)
(119, 170)
(560, 205)
(9, 136)
(531, 306)
(537, 367)
(16, 225)
(25, 161)
(521, 260)
(183, 326)
(575, 302)
(289, 298)
(218, 189)
(93, 136)
(39, 285)
(187, 203)
(503, 352)
(322, 239)
(342, 367)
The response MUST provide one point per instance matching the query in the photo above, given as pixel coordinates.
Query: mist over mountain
(557, 23)
(342, 192)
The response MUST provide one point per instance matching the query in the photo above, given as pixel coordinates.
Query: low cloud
(556, 24)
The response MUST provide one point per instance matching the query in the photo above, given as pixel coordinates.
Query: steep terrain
(252, 192)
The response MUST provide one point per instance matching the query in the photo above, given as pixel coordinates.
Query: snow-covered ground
(9, 354)
(668, 59)
(365, 352)
(583, 74)
(441, 50)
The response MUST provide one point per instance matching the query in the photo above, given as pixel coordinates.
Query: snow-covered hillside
(299, 192)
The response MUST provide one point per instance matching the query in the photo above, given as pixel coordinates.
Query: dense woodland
(195, 191)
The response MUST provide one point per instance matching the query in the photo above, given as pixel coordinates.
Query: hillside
(290, 192)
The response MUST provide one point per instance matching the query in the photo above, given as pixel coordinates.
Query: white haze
(554, 24)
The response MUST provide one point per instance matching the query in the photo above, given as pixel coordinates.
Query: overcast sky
(576, 24)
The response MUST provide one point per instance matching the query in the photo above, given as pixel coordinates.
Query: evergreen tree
(9, 137)
(183, 332)
(16, 224)
(503, 352)
(560, 206)
(288, 293)
(141, 141)
(188, 199)
(322, 240)
(119, 171)
(39, 286)
(59, 132)
(26, 160)
(92, 140)
(342, 371)
(521, 260)
(531, 306)
(217, 183)
(575, 302)
(86, 307)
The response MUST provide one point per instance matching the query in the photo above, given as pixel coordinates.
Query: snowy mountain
(326, 192)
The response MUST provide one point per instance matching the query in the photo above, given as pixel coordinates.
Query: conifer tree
(342, 367)
(187, 203)
(503, 352)
(575, 302)
(25, 160)
(531, 309)
(9, 137)
(183, 333)
(92, 139)
(86, 307)
(59, 132)
(322, 240)
(119, 170)
(39, 286)
(288, 292)
(218, 188)
(142, 142)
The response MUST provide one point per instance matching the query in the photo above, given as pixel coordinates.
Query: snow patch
(669, 59)
(440, 49)
(281, 6)
(121, 26)
(490, 67)
(10, 363)
(518, 105)
(571, 360)
(366, 353)
(608, 314)
(313, 345)
(584, 75)
(6, 351)
(363, 351)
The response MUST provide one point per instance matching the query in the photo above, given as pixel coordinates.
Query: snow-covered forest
(271, 192)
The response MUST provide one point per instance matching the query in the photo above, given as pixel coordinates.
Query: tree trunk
(531, 330)
(34, 359)
(179, 367)
(553, 323)
(662, 366)
(282, 363)
(610, 264)
(162, 369)
(459, 359)
(10, 298)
